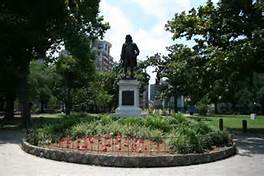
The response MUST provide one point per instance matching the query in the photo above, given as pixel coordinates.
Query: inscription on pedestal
(127, 98)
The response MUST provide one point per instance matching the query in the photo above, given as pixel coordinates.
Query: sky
(145, 21)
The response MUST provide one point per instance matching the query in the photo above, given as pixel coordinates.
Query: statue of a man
(129, 55)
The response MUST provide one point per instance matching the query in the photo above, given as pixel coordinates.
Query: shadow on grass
(43, 120)
(15, 122)
(11, 131)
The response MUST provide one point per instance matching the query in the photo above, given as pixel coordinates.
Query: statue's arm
(123, 52)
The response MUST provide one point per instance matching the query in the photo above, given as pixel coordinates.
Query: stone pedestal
(128, 103)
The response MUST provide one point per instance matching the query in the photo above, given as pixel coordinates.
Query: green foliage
(157, 122)
(52, 103)
(132, 121)
(31, 28)
(201, 128)
(219, 138)
(244, 97)
(226, 55)
(202, 106)
(260, 97)
(186, 142)
(101, 94)
(181, 134)
(41, 79)
(83, 129)
(76, 73)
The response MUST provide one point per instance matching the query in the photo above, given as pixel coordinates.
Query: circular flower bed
(133, 137)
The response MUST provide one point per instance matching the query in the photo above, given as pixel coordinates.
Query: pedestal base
(128, 111)
(128, 99)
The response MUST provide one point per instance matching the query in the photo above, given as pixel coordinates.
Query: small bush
(184, 143)
(157, 123)
(106, 120)
(82, 129)
(219, 138)
(201, 128)
(131, 121)
(42, 136)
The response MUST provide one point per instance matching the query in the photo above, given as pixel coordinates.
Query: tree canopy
(228, 50)
(30, 28)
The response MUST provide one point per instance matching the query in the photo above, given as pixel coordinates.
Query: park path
(15, 162)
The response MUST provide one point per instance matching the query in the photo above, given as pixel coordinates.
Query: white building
(164, 103)
(104, 61)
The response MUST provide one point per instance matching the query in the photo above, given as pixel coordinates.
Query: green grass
(16, 121)
(234, 122)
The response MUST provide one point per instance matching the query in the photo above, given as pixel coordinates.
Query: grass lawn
(15, 122)
(234, 122)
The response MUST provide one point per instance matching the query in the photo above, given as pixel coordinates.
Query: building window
(100, 46)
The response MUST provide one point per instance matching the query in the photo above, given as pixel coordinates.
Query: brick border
(128, 161)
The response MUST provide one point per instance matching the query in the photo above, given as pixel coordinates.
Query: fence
(117, 145)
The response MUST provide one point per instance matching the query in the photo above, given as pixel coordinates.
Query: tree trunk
(215, 107)
(42, 104)
(175, 103)
(2, 104)
(234, 108)
(24, 96)
(10, 102)
(262, 108)
(68, 103)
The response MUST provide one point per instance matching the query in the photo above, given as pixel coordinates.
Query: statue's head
(129, 39)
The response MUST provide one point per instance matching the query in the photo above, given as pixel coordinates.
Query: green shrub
(131, 121)
(82, 129)
(205, 142)
(115, 128)
(42, 136)
(179, 118)
(183, 135)
(202, 106)
(106, 120)
(219, 138)
(190, 138)
(184, 143)
(201, 127)
(157, 122)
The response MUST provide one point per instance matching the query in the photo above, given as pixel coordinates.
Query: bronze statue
(129, 55)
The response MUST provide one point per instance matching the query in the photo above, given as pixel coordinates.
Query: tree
(41, 80)
(30, 28)
(228, 46)
(75, 73)
(104, 91)
(142, 76)
(260, 98)
(9, 78)
(180, 68)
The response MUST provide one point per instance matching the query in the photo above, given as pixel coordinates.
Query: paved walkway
(15, 162)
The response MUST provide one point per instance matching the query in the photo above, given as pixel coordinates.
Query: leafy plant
(157, 122)
(182, 134)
